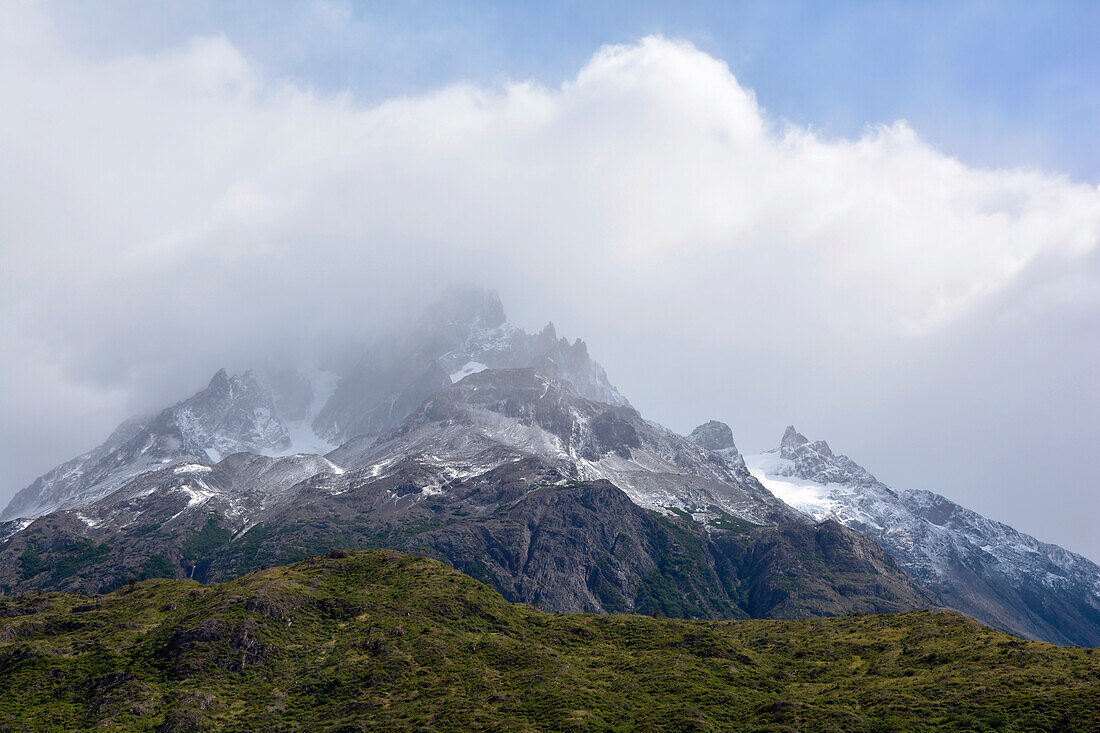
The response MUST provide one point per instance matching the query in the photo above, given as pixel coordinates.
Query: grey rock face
(232, 414)
(713, 435)
(520, 526)
(979, 567)
(717, 437)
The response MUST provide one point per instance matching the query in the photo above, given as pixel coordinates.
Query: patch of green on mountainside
(380, 640)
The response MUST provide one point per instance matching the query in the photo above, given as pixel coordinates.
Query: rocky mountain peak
(220, 380)
(463, 333)
(232, 414)
(983, 568)
(492, 416)
(792, 441)
(817, 462)
(222, 387)
(713, 435)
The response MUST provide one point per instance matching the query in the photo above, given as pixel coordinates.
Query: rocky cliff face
(982, 568)
(717, 437)
(524, 528)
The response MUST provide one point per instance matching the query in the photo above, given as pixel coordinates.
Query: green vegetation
(157, 566)
(380, 640)
(31, 562)
(728, 521)
(680, 566)
(79, 554)
(201, 543)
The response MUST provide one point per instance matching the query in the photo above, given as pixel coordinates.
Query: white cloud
(651, 155)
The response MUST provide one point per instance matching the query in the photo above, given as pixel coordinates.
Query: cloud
(164, 214)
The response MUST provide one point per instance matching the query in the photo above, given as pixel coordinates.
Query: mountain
(975, 565)
(511, 456)
(505, 475)
(313, 411)
(385, 641)
(717, 437)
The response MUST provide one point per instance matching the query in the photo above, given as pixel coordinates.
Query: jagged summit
(232, 414)
(465, 333)
(792, 438)
(793, 445)
(815, 461)
(300, 410)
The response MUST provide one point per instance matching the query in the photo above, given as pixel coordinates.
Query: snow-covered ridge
(982, 567)
(806, 495)
(232, 414)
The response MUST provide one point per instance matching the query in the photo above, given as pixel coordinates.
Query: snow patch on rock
(470, 367)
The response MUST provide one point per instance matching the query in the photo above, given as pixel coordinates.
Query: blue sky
(994, 83)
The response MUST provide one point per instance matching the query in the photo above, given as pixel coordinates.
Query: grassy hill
(381, 640)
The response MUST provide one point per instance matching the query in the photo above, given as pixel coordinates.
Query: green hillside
(381, 640)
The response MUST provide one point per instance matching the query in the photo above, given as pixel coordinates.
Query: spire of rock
(713, 435)
(220, 378)
(792, 441)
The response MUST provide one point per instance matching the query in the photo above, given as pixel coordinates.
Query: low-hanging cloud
(164, 214)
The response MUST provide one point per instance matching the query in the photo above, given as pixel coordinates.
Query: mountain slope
(384, 641)
(980, 567)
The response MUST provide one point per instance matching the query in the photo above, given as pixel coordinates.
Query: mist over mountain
(512, 456)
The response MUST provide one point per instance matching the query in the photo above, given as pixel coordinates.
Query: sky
(879, 222)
